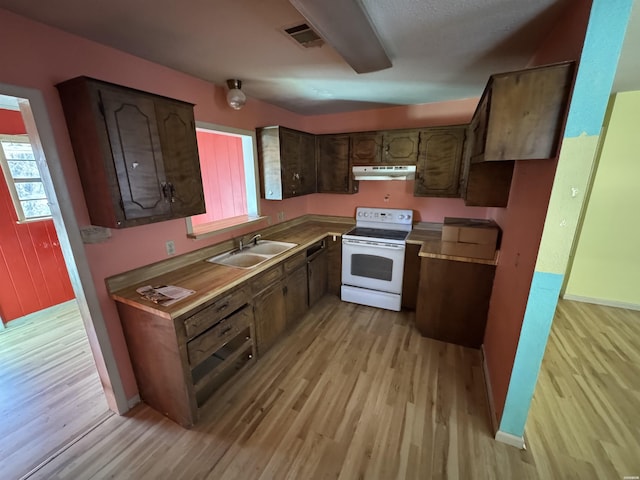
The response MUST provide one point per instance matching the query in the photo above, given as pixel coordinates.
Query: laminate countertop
(430, 238)
(210, 280)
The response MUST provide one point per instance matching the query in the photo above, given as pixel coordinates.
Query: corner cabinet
(287, 162)
(334, 166)
(520, 116)
(439, 162)
(136, 153)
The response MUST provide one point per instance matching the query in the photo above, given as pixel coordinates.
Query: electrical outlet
(280, 216)
(171, 247)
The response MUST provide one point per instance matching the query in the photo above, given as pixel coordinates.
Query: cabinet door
(176, 127)
(296, 293)
(453, 300)
(317, 271)
(270, 316)
(400, 146)
(439, 160)
(137, 155)
(297, 163)
(366, 148)
(307, 164)
(334, 169)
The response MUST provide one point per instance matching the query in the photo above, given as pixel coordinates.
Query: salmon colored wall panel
(522, 224)
(32, 271)
(392, 194)
(523, 221)
(411, 116)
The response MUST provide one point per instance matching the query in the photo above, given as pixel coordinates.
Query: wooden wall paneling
(33, 274)
(222, 166)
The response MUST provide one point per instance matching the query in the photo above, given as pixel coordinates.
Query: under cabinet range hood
(385, 172)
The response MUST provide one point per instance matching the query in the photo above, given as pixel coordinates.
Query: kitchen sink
(252, 256)
(270, 247)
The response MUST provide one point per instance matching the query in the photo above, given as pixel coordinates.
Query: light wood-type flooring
(585, 416)
(355, 392)
(50, 391)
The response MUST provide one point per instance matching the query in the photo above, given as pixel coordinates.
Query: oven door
(373, 265)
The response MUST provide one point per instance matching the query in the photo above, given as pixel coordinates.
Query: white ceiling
(441, 50)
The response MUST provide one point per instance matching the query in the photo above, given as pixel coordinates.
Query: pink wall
(522, 223)
(40, 57)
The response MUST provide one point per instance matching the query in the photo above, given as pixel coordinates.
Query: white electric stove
(373, 257)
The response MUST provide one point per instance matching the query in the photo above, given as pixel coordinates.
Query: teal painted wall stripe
(541, 306)
(600, 54)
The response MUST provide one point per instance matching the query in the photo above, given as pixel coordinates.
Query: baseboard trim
(510, 439)
(133, 401)
(602, 301)
(488, 391)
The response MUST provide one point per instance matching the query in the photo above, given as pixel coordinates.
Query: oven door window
(372, 266)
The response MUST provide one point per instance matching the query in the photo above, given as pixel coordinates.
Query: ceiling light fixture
(345, 25)
(235, 97)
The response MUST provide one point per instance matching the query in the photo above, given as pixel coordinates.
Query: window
(23, 178)
(227, 164)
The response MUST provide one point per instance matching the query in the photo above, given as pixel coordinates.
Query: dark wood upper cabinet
(287, 162)
(385, 147)
(366, 148)
(136, 153)
(439, 162)
(334, 167)
(177, 129)
(521, 114)
(400, 146)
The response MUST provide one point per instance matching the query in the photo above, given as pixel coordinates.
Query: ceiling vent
(304, 36)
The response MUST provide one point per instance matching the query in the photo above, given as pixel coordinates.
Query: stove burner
(379, 233)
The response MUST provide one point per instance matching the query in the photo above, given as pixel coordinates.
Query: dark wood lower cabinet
(317, 272)
(296, 293)
(453, 300)
(270, 316)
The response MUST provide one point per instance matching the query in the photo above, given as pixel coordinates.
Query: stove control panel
(386, 216)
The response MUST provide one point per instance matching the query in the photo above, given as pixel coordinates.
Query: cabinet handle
(222, 307)
(225, 331)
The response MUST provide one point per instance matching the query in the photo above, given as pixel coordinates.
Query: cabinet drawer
(294, 262)
(210, 315)
(204, 345)
(211, 374)
(266, 279)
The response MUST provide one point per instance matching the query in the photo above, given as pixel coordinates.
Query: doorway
(78, 322)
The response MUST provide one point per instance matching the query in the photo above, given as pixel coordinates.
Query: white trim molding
(602, 301)
(510, 439)
(133, 401)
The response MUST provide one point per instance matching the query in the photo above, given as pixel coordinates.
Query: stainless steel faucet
(253, 239)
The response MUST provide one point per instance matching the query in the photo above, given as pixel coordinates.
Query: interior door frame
(39, 129)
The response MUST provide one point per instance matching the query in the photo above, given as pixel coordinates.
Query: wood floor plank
(355, 392)
(50, 391)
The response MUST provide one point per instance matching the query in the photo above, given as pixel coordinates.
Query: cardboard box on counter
(470, 237)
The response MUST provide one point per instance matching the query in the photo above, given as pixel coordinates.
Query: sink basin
(241, 259)
(252, 256)
(270, 247)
